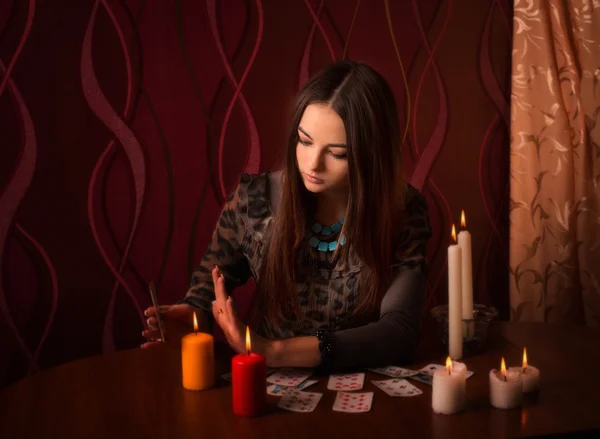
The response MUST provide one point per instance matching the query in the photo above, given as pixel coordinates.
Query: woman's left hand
(233, 328)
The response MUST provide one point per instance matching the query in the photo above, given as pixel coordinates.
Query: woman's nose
(316, 159)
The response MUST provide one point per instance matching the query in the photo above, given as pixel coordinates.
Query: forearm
(391, 340)
(294, 352)
(394, 337)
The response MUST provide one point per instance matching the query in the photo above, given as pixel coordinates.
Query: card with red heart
(346, 381)
(353, 402)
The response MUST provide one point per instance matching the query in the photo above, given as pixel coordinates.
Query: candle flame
(453, 232)
(248, 345)
(449, 364)
(503, 368)
(195, 322)
(524, 358)
(463, 221)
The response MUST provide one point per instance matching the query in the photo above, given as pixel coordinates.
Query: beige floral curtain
(555, 162)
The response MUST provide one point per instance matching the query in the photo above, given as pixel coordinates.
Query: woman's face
(321, 150)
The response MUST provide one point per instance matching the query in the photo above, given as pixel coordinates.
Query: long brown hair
(366, 105)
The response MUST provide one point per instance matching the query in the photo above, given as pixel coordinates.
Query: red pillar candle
(249, 382)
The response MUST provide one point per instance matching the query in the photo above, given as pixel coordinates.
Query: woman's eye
(338, 156)
(304, 142)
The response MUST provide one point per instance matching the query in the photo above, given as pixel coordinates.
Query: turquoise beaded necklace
(325, 246)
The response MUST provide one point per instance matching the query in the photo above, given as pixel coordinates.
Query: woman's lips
(312, 179)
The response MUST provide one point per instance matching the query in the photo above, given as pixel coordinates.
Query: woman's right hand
(177, 320)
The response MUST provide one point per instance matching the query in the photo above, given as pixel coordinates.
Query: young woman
(335, 241)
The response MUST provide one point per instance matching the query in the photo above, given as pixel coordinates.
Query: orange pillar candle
(197, 360)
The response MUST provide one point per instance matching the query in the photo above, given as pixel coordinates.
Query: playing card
(277, 390)
(297, 401)
(305, 384)
(398, 387)
(430, 369)
(394, 371)
(422, 378)
(353, 402)
(289, 377)
(346, 381)
(157, 316)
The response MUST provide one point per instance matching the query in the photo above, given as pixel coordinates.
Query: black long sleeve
(394, 337)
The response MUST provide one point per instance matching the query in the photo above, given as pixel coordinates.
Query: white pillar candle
(455, 333)
(506, 388)
(449, 388)
(530, 377)
(464, 241)
(529, 374)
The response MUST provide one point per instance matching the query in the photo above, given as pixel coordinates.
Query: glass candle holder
(474, 330)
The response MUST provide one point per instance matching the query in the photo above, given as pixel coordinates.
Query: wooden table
(137, 394)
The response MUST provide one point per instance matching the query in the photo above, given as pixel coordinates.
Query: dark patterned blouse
(326, 295)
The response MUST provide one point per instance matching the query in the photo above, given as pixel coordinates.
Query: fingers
(219, 283)
(233, 318)
(150, 344)
(229, 309)
(151, 334)
(151, 311)
(220, 291)
(215, 274)
(219, 312)
(216, 313)
(232, 328)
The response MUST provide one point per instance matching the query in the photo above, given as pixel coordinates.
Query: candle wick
(248, 352)
(449, 372)
(505, 380)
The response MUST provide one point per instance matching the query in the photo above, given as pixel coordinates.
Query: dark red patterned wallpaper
(124, 124)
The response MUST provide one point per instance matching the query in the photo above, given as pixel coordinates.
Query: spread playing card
(346, 381)
(298, 401)
(430, 369)
(277, 390)
(422, 378)
(398, 387)
(395, 371)
(353, 402)
(289, 377)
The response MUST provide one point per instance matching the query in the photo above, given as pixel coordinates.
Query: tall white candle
(455, 333)
(449, 388)
(464, 241)
(530, 375)
(506, 388)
